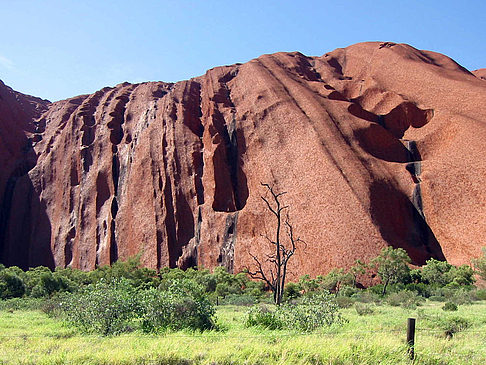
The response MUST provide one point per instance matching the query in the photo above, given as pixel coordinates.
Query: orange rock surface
(375, 144)
(481, 73)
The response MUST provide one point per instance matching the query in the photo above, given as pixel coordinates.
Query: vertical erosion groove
(231, 190)
(192, 114)
(115, 125)
(227, 251)
(5, 215)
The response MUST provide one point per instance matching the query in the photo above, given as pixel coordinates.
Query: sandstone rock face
(481, 73)
(376, 144)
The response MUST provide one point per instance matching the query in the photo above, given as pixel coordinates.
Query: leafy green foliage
(392, 266)
(11, 285)
(405, 298)
(450, 307)
(266, 317)
(183, 305)
(344, 302)
(106, 307)
(452, 325)
(480, 264)
(363, 309)
(312, 312)
(292, 291)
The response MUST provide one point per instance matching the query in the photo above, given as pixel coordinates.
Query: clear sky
(57, 49)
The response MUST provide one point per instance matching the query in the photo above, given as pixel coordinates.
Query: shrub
(404, 298)
(363, 309)
(21, 304)
(313, 312)
(453, 325)
(239, 299)
(264, 317)
(11, 286)
(421, 289)
(104, 308)
(184, 305)
(449, 306)
(463, 296)
(291, 291)
(348, 291)
(436, 298)
(344, 302)
(367, 297)
(480, 294)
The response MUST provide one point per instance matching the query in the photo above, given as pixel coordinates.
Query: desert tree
(392, 266)
(272, 269)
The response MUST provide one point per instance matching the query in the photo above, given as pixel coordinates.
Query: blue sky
(57, 49)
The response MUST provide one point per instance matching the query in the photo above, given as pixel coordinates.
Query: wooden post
(217, 300)
(411, 337)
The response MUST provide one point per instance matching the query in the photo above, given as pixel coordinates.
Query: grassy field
(30, 337)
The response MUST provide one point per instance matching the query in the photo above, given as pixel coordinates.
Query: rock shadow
(25, 228)
(401, 224)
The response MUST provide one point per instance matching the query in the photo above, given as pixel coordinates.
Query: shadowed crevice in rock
(25, 234)
(192, 113)
(401, 224)
(102, 191)
(68, 247)
(190, 251)
(227, 252)
(414, 162)
(231, 190)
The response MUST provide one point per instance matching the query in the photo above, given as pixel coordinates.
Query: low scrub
(112, 307)
(363, 309)
(104, 308)
(405, 298)
(319, 310)
(344, 302)
(454, 325)
(450, 307)
(239, 299)
(182, 306)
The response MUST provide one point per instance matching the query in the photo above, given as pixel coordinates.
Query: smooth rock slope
(375, 144)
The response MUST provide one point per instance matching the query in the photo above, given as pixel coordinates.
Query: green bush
(363, 309)
(404, 298)
(480, 294)
(344, 302)
(348, 291)
(184, 305)
(367, 296)
(239, 299)
(24, 303)
(291, 291)
(449, 306)
(264, 316)
(453, 325)
(312, 312)
(11, 285)
(104, 308)
(435, 298)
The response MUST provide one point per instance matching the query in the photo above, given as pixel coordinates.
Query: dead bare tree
(273, 270)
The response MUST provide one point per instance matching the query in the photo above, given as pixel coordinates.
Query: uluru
(377, 144)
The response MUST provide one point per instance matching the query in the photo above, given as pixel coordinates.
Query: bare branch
(269, 206)
(275, 272)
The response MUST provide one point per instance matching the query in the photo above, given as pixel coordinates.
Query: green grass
(30, 337)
